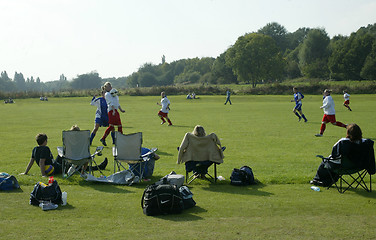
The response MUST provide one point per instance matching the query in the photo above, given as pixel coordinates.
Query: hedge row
(261, 89)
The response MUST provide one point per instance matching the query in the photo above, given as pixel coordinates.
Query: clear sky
(47, 38)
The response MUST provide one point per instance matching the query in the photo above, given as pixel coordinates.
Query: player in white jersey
(346, 103)
(329, 113)
(163, 113)
(113, 105)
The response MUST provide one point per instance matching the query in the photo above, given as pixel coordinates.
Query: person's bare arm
(29, 166)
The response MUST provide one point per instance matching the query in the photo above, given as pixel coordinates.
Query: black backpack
(242, 176)
(43, 192)
(161, 199)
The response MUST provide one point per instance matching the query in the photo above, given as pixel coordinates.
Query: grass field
(258, 131)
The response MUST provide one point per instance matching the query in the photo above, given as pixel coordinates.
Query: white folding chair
(76, 150)
(127, 149)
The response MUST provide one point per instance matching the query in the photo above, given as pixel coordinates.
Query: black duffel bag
(43, 192)
(161, 199)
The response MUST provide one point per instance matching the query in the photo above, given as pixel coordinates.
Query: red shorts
(114, 119)
(347, 102)
(160, 113)
(329, 118)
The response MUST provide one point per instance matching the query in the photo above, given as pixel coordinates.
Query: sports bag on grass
(8, 182)
(43, 192)
(161, 199)
(173, 179)
(242, 176)
(187, 197)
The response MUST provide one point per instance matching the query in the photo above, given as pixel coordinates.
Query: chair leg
(215, 172)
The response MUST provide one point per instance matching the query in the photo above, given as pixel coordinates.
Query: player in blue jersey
(101, 116)
(298, 96)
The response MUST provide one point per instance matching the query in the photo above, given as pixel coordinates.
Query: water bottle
(64, 196)
(220, 178)
(314, 188)
(51, 180)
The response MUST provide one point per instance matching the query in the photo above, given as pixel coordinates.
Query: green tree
(87, 81)
(296, 38)
(349, 56)
(253, 57)
(314, 53)
(369, 68)
(147, 79)
(19, 81)
(222, 73)
(278, 33)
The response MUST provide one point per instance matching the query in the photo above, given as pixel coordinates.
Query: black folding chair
(348, 173)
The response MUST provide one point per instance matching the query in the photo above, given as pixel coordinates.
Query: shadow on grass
(164, 153)
(359, 191)
(186, 215)
(105, 187)
(226, 187)
(180, 126)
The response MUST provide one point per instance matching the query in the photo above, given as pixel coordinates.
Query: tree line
(270, 55)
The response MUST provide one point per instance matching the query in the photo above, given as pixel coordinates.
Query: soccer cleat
(306, 120)
(318, 135)
(103, 141)
(300, 118)
(163, 122)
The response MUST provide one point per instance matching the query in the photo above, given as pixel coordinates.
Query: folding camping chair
(199, 153)
(353, 168)
(76, 151)
(127, 149)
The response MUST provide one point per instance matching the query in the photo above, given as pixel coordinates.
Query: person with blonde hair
(329, 113)
(113, 105)
(199, 151)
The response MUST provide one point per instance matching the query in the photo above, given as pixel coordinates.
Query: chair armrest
(60, 151)
(114, 152)
(98, 151)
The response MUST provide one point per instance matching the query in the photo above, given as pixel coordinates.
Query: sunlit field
(258, 131)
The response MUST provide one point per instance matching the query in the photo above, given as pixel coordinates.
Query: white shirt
(328, 105)
(112, 102)
(346, 96)
(165, 102)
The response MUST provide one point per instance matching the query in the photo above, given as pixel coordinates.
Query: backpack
(161, 199)
(186, 195)
(8, 182)
(43, 192)
(242, 176)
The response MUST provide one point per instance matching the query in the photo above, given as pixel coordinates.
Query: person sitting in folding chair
(101, 166)
(355, 148)
(199, 152)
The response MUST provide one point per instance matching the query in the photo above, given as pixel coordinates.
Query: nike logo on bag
(163, 202)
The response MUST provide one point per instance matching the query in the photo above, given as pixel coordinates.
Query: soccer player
(163, 113)
(228, 95)
(298, 96)
(329, 113)
(101, 115)
(113, 105)
(346, 96)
